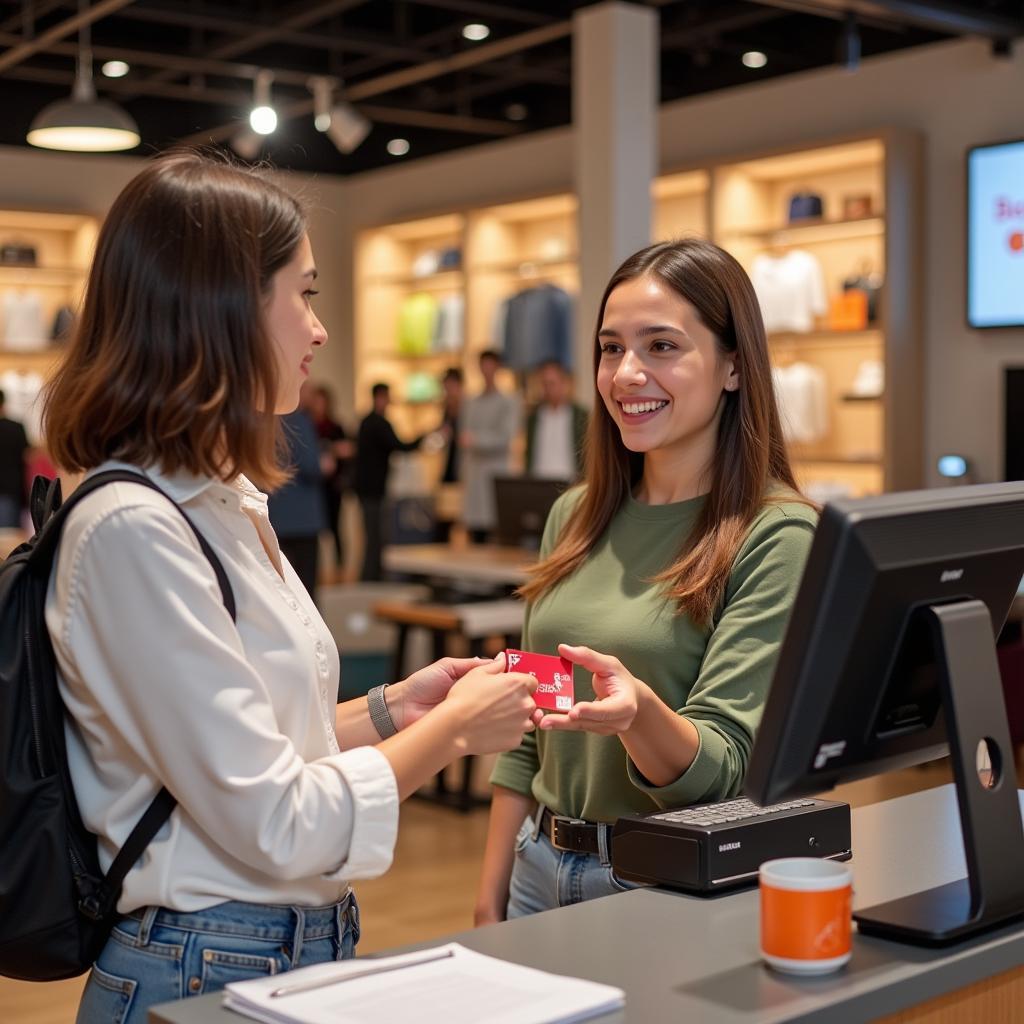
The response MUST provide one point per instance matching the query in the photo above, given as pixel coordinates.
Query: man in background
(451, 411)
(555, 427)
(489, 423)
(13, 453)
(451, 386)
(375, 442)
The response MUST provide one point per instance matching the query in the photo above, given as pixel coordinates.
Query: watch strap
(379, 714)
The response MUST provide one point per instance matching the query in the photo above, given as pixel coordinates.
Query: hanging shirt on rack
(535, 326)
(23, 322)
(790, 289)
(448, 326)
(417, 321)
(802, 393)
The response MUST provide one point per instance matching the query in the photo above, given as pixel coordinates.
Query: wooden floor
(429, 891)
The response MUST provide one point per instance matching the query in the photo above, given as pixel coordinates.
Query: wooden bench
(476, 621)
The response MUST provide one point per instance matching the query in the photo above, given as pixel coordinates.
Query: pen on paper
(306, 986)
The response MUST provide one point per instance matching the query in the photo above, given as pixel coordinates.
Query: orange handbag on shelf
(848, 311)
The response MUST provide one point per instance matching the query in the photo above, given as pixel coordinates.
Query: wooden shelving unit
(63, 244)
(871, 444)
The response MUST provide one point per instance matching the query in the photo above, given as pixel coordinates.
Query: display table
(472, 563)
(680, 958)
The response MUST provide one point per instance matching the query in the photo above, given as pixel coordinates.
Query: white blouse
(235, 719)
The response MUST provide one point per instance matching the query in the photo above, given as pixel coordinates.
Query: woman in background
(338, 451)
(666, 578)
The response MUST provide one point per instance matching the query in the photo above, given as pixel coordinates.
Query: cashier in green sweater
(666, 577)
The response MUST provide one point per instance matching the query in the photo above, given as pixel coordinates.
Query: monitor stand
(990, 817)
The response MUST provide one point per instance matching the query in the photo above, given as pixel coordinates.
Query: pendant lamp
(84, 123)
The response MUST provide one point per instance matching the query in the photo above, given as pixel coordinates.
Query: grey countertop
(684, 958)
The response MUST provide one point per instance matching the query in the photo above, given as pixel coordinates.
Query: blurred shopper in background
(555, 427)
(488, 427)
(297, 509)
(374, 444)
(339, 450)
(14, 449)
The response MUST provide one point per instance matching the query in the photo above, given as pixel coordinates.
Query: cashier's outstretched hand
(617, 692)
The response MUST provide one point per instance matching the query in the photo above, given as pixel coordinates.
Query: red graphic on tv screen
(1017, 241)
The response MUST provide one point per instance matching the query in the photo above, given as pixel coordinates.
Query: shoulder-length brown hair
(171, 363)
(750, 454)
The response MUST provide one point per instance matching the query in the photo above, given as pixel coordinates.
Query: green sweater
(718, 677)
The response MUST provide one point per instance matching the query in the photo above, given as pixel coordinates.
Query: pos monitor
(889, 660)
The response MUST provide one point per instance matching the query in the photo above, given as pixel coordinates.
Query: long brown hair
(170, 363)
(750, 453)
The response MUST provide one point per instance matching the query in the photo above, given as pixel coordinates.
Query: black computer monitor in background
(889, 660)
(523, 504)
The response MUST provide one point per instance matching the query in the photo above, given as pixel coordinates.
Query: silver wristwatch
(379, 714)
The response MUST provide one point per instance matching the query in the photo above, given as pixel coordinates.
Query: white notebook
(444, 985)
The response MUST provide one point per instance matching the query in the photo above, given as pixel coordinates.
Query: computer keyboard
(726, 812)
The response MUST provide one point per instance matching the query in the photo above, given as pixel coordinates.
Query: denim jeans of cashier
(544, 878)
(155, 955)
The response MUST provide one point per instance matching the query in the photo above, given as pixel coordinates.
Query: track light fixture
(345, 126)
(263, 118)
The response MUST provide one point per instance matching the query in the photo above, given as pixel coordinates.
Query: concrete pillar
(615, 107)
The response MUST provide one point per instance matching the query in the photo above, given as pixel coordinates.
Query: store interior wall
(955, 94)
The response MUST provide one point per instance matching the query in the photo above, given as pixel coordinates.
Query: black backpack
(56, 906)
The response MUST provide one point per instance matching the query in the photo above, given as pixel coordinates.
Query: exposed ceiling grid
(406, 65)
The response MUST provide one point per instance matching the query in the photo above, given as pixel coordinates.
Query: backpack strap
(103, 901)
(47, 539)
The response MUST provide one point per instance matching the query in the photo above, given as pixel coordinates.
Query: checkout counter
(681, 958)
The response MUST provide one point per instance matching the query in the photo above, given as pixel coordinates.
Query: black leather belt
(572, 834)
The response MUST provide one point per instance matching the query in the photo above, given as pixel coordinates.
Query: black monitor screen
(523, 504)
(855, 690)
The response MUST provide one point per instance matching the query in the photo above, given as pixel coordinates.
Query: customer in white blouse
(196, 330)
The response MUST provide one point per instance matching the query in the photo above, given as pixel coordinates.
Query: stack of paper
(445, 985)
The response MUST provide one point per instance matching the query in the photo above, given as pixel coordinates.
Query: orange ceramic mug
(805, 914)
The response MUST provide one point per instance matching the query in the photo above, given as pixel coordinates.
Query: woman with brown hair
(196, 333)
(670, 571)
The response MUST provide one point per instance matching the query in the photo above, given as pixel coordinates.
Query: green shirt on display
(716, 676)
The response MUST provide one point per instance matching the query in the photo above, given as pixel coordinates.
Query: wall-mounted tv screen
(995, 235)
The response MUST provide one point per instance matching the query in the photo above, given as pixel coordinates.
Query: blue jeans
(544, 878)
(155, 955)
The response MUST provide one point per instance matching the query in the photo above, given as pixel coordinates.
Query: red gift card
(553, 675)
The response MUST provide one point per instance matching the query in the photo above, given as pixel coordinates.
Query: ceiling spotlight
(345, 126)
(517, 112)
(398, 147)
(115, 69)
(84, 123)
(754, 59)
(476, 32)
(323, 93)
(263, 117)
